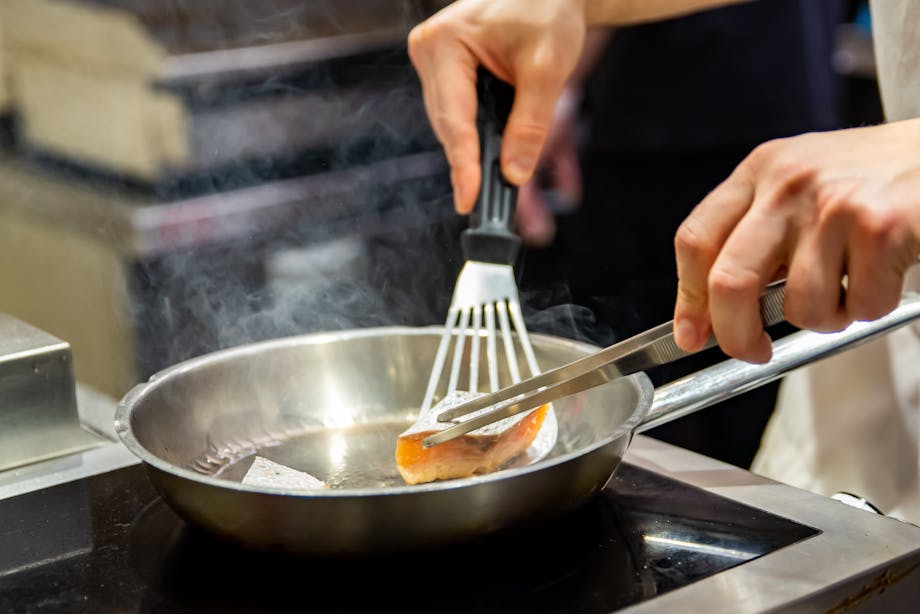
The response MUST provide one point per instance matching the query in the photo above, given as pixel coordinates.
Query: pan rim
(644, 389)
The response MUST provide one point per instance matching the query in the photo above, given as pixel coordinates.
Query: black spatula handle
(491, 237)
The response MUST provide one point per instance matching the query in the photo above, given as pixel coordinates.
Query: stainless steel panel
(860, 561)
(38, 408)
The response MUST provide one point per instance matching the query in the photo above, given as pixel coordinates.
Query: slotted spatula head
(485, 303)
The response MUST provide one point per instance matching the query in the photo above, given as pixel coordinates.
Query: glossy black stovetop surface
(109, 544)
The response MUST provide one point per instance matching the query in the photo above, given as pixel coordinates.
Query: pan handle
(732, 377)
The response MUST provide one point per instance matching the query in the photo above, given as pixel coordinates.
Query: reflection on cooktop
(108, 543)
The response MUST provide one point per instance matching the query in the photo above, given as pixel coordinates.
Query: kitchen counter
(673, 531)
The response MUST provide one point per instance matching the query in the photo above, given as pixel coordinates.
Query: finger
(751, 255)
(534, 222)
(813, 294)
(453, 116)
(465, 180)
(876, 264)
(447, 71)
(567, 174)
(537, 88)
(697, 244)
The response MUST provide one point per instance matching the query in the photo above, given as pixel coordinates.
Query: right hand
(813, 208)
(531, 44)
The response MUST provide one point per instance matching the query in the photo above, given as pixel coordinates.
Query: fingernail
(519, 169)
(685, 334)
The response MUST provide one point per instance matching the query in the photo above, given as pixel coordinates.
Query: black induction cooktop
(110, 544)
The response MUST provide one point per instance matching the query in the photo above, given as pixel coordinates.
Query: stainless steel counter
(38, 409)
(859, 562)
(96, 412)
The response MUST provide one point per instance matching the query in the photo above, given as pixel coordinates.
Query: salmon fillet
(481, 451)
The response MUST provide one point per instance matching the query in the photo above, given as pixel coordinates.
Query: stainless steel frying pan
(333, 404)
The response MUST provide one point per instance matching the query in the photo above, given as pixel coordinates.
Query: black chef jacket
(672, 108)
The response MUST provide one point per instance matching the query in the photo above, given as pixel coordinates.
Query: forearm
(621, 12)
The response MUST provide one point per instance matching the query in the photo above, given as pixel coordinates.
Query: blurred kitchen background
(179, 176)
(184, 176)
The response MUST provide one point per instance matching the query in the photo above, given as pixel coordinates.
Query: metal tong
(651, 348)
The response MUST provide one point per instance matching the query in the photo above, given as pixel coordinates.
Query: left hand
(815, 207)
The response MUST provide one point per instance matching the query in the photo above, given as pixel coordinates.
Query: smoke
(355, 256)
(550, 309)
(376, 246)
(395, 268)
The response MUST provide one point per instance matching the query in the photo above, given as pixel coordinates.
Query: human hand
(557, 183)
(815, 207)
(531, 44)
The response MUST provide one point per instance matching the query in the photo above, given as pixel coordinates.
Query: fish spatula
(485, 306)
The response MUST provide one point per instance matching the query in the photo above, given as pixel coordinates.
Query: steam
(205, 300)
(550, 310)
(392, 260)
